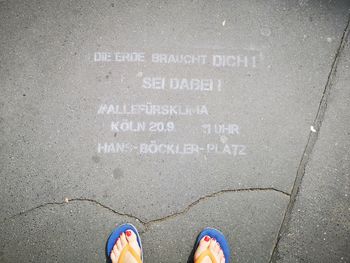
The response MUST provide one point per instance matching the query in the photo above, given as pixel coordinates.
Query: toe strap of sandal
(129, 249)
(206, 253)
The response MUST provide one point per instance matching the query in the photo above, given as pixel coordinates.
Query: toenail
(206, 238)
(128, 233)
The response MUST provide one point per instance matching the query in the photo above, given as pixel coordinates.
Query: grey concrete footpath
(77, 231)
(172, 115)
(319, 228)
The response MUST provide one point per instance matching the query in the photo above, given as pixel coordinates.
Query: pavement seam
(313, 136)
(146, 224)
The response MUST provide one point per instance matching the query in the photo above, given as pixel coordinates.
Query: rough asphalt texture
(285, 200)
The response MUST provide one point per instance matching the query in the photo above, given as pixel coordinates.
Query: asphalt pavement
(175, 116)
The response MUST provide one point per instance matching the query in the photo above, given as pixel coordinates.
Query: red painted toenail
(128, 233)
(206, 238)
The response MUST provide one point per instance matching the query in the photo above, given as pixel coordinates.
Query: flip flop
(220, 238)
(114, 237)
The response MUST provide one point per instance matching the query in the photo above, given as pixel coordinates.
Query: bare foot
(214, 247)
(129, 237)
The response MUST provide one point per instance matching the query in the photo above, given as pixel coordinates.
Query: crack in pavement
(313, 136)
(203, 198)
(146, 224)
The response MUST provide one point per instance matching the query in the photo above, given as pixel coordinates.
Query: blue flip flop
(220, 238)
(116, 234)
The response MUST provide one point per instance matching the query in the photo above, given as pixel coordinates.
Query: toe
(115, 249)
(217, 248)
(123, 240)
(114, 254)
(113, 257)
(212, 245)
(222, 256)
(119, 244)
(130, 236)
(203, 245)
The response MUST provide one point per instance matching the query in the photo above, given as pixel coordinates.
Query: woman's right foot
(214, 247)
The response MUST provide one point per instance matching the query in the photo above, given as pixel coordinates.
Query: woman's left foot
(214, 247)
(129, 237)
